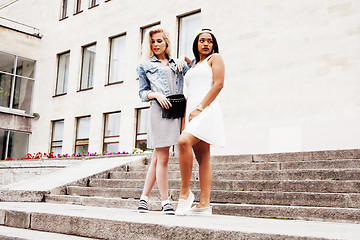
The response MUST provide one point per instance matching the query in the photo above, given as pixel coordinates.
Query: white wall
(292, 69)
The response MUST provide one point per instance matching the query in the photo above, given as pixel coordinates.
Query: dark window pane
(5, 89)
(7, 62)
(22, 94)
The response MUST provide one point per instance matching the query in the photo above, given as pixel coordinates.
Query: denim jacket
(153, 79)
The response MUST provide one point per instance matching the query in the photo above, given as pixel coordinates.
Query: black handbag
(178, 102)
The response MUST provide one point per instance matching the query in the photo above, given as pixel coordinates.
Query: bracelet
(200, 108)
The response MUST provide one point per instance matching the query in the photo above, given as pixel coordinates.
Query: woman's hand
(193, 114)
(180, 64)
(164, 102)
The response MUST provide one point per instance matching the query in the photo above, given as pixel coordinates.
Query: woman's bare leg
(162, 172)
(150, 176)
(202, 153)
(185, 143)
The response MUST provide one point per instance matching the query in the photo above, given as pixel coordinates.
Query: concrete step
(342, 200)
(324, 186)
(112, 223)
(11, 233)
(286, 157)
(221, 159)
(322, 164)
(246, 210)
(314, 174)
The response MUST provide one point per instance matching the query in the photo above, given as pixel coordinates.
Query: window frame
(57, 74)
(14, 76)
(104, 130)
(64, 9)
(52, 135)
(93, 3)
(82, 65)
(78, 6)
(76, 134)
(7, 144)
(142, 29)
(109, 59)
(136, 126)
(179, 17)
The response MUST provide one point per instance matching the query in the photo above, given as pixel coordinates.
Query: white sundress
(208, 126)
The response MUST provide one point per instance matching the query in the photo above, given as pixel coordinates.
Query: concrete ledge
(302, 174)
(110, 223)
(244, 210)
(18, 219)
(306, 156)
(324, 186)
(33, 189)
(22, 195)
(11, 233)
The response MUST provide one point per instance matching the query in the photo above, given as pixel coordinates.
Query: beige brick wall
(292, 69)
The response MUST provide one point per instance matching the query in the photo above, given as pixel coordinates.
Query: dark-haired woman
(203, 122)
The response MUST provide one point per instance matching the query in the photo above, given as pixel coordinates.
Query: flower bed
(51, 155)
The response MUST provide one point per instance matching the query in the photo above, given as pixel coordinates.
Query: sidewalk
(111, 223)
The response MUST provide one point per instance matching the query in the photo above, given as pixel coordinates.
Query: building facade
(291, 81)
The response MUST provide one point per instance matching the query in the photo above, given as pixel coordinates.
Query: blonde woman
(159, 79)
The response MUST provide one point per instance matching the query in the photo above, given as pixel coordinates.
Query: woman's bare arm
(218, 70)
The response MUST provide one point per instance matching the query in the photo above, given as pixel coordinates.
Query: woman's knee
(183, 142)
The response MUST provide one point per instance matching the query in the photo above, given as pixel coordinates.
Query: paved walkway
(312, 229)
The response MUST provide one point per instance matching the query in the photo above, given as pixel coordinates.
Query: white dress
(208, 125)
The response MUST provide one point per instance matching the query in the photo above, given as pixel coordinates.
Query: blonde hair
(146, 46)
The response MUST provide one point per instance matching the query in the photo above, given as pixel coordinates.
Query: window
(13, 144)
(117, 59)
(94, 3)
(64, 7)
(82, 135)
(142, 122)
(111, 132)
(145, 30)
(78, 6)
(188, 25)
(16, 83)
(57, 136)
(63, 73)
(87, 69)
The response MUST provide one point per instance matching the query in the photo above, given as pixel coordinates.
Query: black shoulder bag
(178, 102)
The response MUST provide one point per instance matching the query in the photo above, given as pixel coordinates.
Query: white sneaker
(204, 211)
(184, 205)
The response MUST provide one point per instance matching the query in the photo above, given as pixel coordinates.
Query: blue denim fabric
(153, 79)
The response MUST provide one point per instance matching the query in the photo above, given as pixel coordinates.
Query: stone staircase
(304, 186)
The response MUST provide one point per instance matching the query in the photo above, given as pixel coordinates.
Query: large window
(144, 31)
(112, 132)
(188, 25)
(57, 136)
(94, 3)
(117, 59)
(78, 6)
(13, 144)
(142, 123)
(82, 135)
(63, 73)
(87, 69)
(16, 82)
(64, 9)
